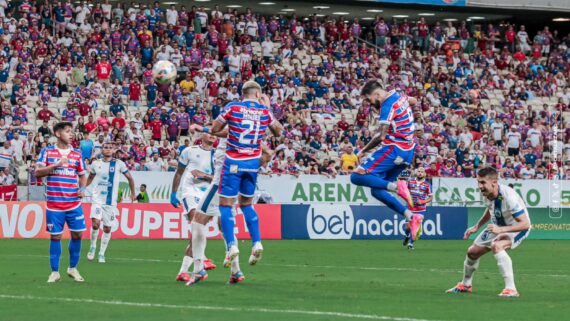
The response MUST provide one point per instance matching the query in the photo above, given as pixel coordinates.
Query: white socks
(104, 242)
(408, 215)
(94, 237)
(198, 245)
(186, 262)
(235, 265)
(506, 268)
(469, 267)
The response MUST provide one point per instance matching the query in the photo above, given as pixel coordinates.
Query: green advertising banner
(546, 225)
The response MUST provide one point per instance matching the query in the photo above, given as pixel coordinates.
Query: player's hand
(264, 100)
(133, 197)
(195, 128)
(495, 229)
(174, 200)
(81, 192)
(469, 231)
(63, 162)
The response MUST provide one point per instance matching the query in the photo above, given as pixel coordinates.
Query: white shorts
(190, 203)
(104, 213)
(210, 202)
(486, 238)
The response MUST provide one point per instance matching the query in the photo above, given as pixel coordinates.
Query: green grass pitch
(296, 280)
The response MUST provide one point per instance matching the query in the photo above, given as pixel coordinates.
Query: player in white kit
(103, 183)
(510, 225)
(194, 175)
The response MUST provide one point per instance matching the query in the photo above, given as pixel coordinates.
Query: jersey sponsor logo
(64, 172)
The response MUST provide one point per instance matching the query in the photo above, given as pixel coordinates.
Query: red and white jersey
(63, 182)
(420, 191)
(396, 112)
(247, 123)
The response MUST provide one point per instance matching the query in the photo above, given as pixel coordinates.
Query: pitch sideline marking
(212, 308)
(363, 268)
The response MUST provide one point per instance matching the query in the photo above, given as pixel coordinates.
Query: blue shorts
(74, 218)
(238, 177)
(388, 162)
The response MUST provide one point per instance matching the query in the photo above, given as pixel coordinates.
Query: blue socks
(387, 198)
(228, 224)
(252, 223)
(74, 252)
(54, 254)
(371, 181)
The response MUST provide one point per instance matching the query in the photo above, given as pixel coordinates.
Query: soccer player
(421, 195)
(247, 122)
(195, 170)
(209, 206)
(104, 175)
(65, 171)
(510, 225)
(390, 151)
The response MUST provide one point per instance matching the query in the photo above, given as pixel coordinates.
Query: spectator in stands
(6, 178)
(142, 197)
(348, 160)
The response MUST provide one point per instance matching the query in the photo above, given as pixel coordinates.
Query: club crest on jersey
(112, 169)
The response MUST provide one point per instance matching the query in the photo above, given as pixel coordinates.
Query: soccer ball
(164, 72)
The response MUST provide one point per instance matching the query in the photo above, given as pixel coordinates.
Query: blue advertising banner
(358, 222)
(431, 2)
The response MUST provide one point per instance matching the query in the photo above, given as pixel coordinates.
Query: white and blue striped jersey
(506, 207)
(105, 185)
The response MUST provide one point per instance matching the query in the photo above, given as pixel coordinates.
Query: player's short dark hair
(488, 171)
(370, 87)
(143, 185)
(61, 126)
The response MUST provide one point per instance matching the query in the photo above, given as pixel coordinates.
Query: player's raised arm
(217, 129)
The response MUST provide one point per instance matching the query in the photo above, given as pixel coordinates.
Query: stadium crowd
(488, 94)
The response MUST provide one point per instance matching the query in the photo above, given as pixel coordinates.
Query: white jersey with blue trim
(506, 207)
(195, 158)
(105, 185)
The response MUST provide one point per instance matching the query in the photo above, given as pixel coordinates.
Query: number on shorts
(252, 126)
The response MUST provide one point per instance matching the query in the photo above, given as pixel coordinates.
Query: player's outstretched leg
(375, 182)
(499, 248)
(385, 197)
(105, 239)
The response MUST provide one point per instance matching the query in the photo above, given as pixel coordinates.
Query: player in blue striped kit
(390, 151)
(246, 122)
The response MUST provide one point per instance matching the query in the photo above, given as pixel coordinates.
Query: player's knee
(95, 226)
(76, 235)
(106, 229)
(497, 247)
(473, 253)
(356, 179)
(56, 237)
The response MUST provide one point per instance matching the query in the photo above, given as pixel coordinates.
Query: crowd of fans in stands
(477, 85)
